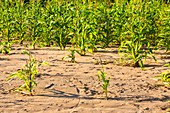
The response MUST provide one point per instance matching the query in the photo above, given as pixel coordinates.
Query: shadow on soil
(138, 98)
(152, 65)
(105, 51)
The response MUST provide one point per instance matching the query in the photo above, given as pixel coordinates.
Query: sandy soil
(65, 87)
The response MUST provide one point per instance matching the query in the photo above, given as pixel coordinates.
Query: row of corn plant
(165, 28)
(137, 26)
(142, 30)
(7, 27)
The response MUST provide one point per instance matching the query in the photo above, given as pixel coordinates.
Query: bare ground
(65, 87)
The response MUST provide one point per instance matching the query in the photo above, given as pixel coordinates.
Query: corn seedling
(71, 56)
(102, 76)
(27, 74)
(165, 76)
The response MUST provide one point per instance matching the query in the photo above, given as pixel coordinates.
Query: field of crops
(137, 26)
(136, 30)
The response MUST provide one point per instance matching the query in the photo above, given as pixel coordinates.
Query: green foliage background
(131, 24)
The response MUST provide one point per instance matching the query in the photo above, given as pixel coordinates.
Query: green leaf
(26, 52)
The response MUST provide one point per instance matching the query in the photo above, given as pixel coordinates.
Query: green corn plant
(120, 18)
(35, 23)
(49, 19)
(5, 47)
(134, 52)
(21, 23)
(62, 22)
(105, 81)
(165, 29)
(71, 56)
(151, 12)
(165, 76)
(84, 30)
(92, 38)
(137, 43)
(111, 21)
(106, 24)
(87, 24)
(82, 41)
(27, 74)
(7, 27)
(47, 28)
(1, 20)
(133, 49)
(79, 33)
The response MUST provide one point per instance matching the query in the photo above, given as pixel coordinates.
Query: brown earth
(65, 87)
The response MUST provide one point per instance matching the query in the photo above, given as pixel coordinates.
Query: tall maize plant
(141, 31)
(7, 27)
(165, 28)
(135, 25)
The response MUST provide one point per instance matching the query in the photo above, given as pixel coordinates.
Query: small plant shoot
(102, 76)
(165, 76)
(27, 74)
